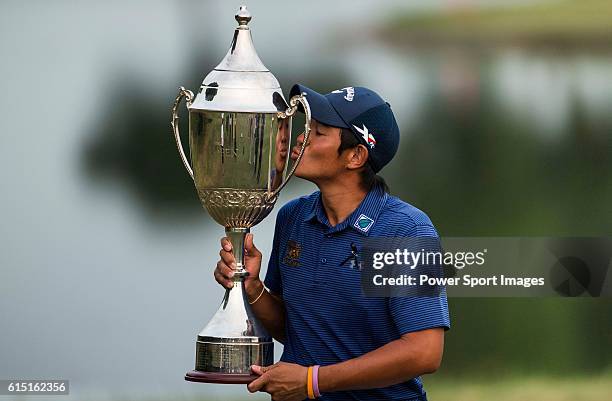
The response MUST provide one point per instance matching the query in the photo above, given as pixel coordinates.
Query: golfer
(339, 344)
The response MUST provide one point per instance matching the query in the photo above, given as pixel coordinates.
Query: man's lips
(295, 152)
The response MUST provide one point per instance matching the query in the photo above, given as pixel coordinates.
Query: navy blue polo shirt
(328, 319)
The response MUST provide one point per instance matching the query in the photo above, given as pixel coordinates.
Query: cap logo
(363, 223)
(367, 136)
(350, 93)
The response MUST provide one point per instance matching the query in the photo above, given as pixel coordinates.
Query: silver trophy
(239, 139)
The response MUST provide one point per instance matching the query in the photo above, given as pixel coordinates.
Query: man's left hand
(283, 381)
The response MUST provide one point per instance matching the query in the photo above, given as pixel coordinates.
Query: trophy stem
(237, 237)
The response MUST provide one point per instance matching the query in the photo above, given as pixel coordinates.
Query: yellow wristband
(309, 388)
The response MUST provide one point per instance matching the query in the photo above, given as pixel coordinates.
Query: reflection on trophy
(239, 137)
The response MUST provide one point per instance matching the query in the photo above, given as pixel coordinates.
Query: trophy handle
(293, 107)
(188, 95)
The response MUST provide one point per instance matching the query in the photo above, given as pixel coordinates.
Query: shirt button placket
(322, 259)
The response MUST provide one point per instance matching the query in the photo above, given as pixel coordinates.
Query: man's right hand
(227, 264)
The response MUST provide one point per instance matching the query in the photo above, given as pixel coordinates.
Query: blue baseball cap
(362, 111)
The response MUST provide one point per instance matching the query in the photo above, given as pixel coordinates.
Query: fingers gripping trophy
(239, 135)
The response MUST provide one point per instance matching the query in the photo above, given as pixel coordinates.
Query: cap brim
(320, 108)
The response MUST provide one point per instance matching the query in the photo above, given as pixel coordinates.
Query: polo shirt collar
(362, 219)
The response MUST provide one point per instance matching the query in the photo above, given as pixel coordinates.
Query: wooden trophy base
(220, 378)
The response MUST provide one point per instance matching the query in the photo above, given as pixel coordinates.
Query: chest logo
(292, 254)
(363, 223)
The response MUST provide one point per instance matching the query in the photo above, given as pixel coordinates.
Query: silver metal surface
(237, 158)
(240, 142)
(234, 339)
(234, 319)
(241, 82)
(237, 238)
(293, 103)
(229, 357)
(188, 95)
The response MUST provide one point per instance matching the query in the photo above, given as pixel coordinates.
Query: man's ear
(357, 157)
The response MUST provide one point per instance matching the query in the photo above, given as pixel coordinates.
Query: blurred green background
(505, 109)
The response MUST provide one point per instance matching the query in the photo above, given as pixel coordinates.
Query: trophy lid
(241, 82)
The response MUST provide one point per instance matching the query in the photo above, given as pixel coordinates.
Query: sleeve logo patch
(363, 223)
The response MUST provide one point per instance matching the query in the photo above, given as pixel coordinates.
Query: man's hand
(227, 264)
(283, 381)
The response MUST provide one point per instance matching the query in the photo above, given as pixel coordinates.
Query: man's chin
(299, 174)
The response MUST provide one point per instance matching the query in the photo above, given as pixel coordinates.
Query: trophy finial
(243, 17)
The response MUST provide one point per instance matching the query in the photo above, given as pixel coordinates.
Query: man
(362, 348)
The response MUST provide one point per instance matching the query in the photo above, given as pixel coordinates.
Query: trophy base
(220, 378)
(232, 342)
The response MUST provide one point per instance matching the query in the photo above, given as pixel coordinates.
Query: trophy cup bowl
(239, 141)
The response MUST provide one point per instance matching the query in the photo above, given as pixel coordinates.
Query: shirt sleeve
(415, 313)
(273, 277)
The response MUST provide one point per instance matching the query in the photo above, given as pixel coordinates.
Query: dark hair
(368, 177)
